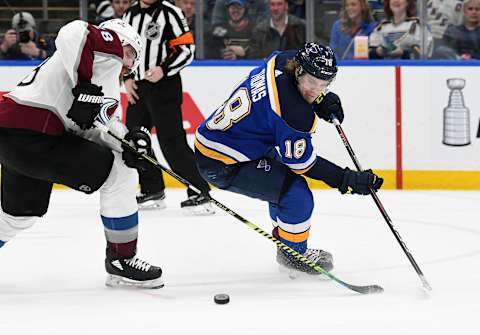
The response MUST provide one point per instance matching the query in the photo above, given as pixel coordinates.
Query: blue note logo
(263, 165)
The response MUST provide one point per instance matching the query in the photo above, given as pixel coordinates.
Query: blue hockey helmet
(317, 60)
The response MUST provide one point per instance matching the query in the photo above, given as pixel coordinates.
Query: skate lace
(315, 255)
(138, 264)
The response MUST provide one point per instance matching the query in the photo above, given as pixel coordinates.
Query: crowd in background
(252, 29)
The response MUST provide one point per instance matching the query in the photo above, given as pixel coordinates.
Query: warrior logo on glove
(87, 101)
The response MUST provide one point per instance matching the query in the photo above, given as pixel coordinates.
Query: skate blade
(152, 205)
(118, 281)
(296, 274)
(200, 210)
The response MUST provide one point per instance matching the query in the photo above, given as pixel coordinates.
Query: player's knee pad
(296, 203)
(11, 225)
(118, 193)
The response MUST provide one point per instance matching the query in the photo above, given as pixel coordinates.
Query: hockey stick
(389, 222)
(367, 289)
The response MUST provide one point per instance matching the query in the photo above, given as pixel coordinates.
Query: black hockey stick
(389, 222)
(367, 289)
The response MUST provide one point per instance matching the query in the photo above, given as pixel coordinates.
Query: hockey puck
(221, 299)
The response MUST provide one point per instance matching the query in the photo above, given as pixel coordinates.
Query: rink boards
(398, 117)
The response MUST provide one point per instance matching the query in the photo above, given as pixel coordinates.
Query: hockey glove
(330, 104)
(360, 182)
(140, 139)
(87, 101)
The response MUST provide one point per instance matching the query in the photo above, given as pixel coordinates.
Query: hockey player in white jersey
(47, 136)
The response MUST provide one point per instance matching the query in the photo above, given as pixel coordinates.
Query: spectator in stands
(400, 34)
(30, 44)
(257, 11)
(441, 14)
(232, 40)
(463, 41)
(111, 9)
(355, 20)
(188, 8)
(281, 31)
(9, 40)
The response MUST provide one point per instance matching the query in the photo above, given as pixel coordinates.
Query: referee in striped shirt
(155, 98)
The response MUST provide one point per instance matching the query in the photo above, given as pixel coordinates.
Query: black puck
(221, 299)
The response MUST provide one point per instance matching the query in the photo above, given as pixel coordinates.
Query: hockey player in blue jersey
(258, 143)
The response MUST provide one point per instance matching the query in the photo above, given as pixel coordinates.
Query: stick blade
(425, 283)
(368, 289)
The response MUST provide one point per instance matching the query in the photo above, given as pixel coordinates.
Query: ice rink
(52, 276)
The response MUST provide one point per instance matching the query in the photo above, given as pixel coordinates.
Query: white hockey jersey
(405, 35)
(442, 13)
(84, 53)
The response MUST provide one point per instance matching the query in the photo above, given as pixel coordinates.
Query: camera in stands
(23, 23)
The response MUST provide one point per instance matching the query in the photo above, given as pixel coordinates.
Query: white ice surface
(52, 276)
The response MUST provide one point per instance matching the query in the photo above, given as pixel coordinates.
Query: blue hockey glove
(328, 105)
(355, 182)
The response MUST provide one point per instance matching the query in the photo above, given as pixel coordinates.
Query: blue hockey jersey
(264, 112)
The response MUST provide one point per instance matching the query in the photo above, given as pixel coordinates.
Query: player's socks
(121, 264)
(132, 272)
(197, 205)
(151, 200)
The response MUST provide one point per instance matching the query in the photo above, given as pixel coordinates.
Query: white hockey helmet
(128, 36)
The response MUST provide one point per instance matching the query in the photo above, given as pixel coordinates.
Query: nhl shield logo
(153, 31)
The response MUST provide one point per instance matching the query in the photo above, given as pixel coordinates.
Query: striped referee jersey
(167, 40)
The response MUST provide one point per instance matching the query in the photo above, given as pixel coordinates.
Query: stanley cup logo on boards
(456, 116)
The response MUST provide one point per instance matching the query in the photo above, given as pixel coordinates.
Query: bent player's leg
(291, 218)
(290, 202)
(23, 200)
(119, 212)
(11, 225)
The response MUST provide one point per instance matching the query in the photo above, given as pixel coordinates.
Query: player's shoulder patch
(105, 41)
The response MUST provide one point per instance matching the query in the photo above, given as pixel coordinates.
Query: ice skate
(132, 272)
(197, 205)
(151, 201)
(294, 267)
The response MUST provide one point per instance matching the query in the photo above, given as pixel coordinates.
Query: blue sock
(299, 247)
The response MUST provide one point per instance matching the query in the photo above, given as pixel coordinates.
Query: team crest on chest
(153, 31)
